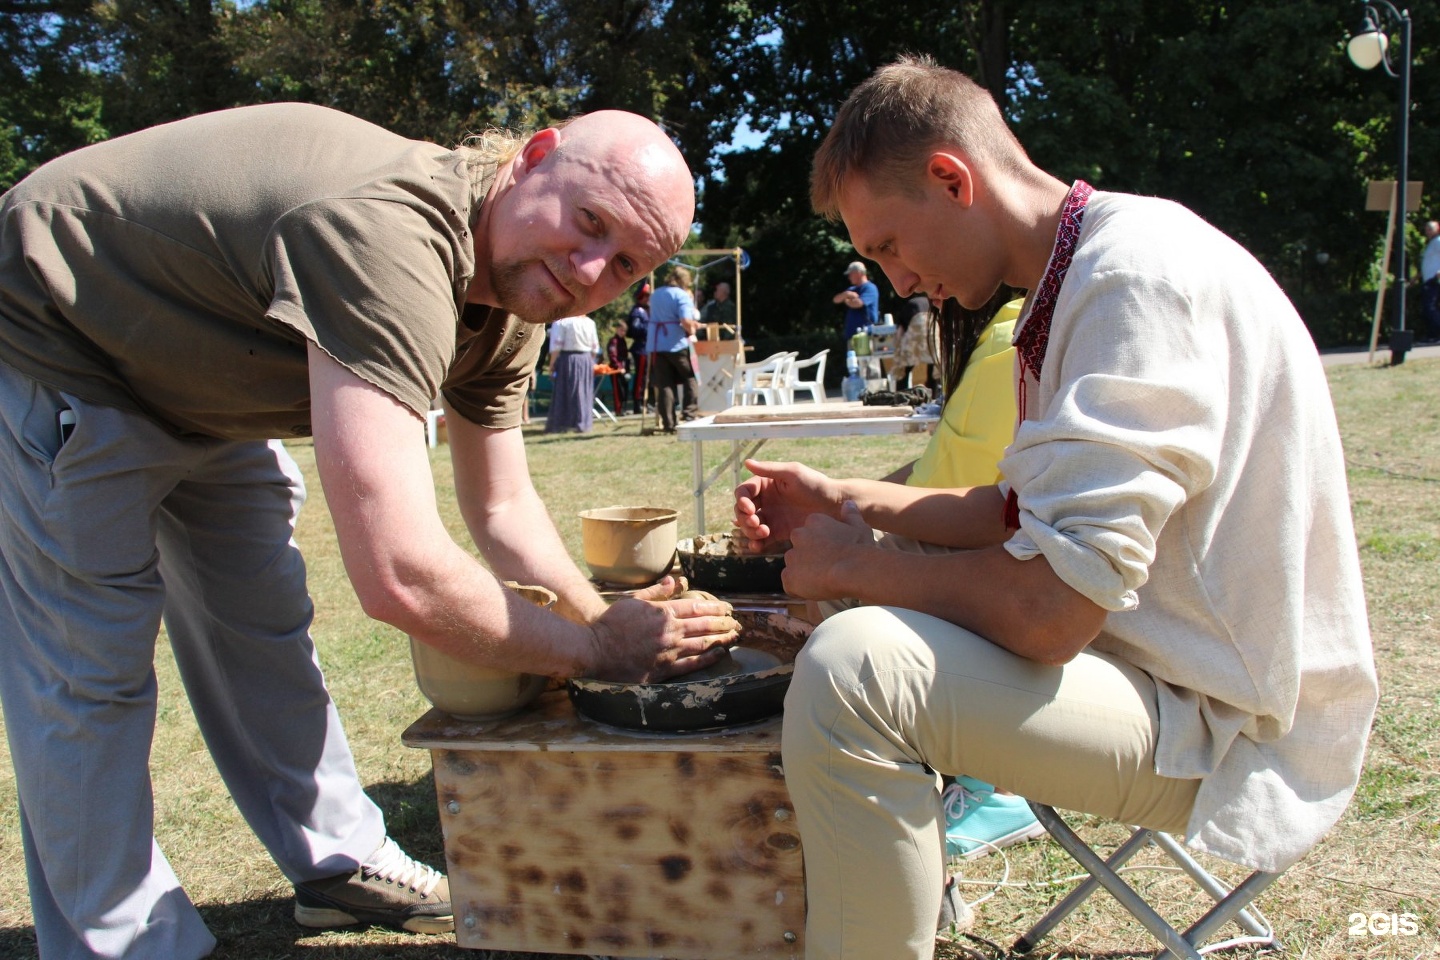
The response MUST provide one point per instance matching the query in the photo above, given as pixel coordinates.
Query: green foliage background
(1247, 112)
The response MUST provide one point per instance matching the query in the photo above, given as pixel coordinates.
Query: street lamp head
(1368, 47)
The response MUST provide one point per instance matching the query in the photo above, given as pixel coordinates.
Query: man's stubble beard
(507, 280)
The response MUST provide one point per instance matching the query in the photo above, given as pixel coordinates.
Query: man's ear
(536, 149)
(953, 174)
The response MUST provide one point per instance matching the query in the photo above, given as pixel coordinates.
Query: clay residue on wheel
(773, 633)
(725, 545)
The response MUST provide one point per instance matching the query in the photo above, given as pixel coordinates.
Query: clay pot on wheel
(748, 686)
(714, 562)
(468, 691)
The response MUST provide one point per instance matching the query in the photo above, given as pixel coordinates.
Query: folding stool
(600, 408)
(1230, 904)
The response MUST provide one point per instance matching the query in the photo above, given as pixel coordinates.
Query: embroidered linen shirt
(1178, 463)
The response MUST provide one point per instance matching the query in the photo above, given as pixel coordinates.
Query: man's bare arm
(508, 520)
(408, 572)
(779, 495)
(406, 569)
(1021, 605)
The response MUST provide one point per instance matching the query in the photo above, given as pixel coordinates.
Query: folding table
(747, 429)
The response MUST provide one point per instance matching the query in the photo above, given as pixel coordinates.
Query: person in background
(639, 323)
(528, 397)
(965, 450)
(574, 346)
(1156, 617)
(617, 356)
(978, 420)
(673, 322)
(861, 301)
(915, 348)
(1430, 281)
(720, 310)
(173, 300)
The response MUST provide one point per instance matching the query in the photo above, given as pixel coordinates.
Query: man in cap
(861, 300)
(172, 300)
(638, 322)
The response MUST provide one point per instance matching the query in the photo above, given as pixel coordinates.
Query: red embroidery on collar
(1034, 337)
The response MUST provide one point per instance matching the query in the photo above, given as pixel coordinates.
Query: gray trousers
(99, 538)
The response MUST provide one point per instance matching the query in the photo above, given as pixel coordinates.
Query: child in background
(617, 355)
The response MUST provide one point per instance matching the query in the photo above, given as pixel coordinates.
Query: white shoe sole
(326, 918)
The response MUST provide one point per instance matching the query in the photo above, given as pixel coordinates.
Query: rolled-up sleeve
(1121, 430)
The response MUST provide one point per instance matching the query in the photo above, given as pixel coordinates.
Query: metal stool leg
(1128, 898)
(1217, 890)
(1230, 904)
(1228, 908)
(1047, 816)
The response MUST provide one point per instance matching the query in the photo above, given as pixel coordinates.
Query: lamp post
(1368, 49)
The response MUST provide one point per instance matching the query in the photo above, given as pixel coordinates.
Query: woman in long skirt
(574, 344)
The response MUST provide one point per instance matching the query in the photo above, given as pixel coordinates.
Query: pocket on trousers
(31, 411)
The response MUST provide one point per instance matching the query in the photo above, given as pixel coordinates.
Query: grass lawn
(1384, 857)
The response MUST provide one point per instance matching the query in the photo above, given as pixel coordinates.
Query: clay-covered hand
(778, 499)
(648, 637)
(825, 553)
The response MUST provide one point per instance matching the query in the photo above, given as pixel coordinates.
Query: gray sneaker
(389, 889)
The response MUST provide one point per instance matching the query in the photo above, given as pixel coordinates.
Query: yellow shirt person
(979, 419)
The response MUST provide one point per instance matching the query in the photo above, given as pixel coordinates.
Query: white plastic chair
(761, 380)
(794, 382)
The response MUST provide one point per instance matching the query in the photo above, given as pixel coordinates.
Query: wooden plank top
(835, 410)
(551, 723)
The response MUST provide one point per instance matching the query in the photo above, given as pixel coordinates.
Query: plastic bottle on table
(853, 385)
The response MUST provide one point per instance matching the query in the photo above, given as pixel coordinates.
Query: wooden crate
(562, 836)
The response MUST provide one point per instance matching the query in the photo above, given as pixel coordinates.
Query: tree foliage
(1248, 113)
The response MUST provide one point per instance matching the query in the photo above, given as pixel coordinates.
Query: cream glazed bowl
(629, 545)
(469, 691)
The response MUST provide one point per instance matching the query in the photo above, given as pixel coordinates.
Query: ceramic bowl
(468, 691)
(629, 545)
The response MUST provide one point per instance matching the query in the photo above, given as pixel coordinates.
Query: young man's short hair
(889, 124)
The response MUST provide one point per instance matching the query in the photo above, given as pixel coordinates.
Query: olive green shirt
(180, 272)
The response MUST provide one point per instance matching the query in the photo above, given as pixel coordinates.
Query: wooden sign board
(715, 347)
(1381, 195)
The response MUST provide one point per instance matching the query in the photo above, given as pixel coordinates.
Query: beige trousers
(883, 701)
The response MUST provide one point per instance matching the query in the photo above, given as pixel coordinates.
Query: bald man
(170, 303)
